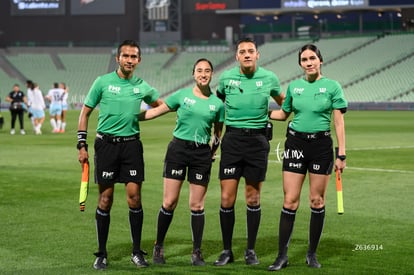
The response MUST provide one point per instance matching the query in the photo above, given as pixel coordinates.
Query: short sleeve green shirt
(195, 115)
(119, 103)
(247, 96)
(313, 103)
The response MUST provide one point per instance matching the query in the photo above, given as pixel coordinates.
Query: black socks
(164, 221)
(136, 217)
(197, 227)
(102, 219)
(253, 215)
(287, 220)
(227, 220)
(317, 221)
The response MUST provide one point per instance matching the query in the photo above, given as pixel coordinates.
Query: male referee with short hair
(118, 148)
(246, 90)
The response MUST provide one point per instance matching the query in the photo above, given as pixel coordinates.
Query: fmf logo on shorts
(107, 175)
(295, 165)
(229, 171)
(177, 172)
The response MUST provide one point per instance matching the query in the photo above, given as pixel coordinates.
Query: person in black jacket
(17, 101)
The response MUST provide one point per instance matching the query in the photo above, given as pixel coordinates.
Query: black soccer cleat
(250, 257)
(158, 255)
(312, 261)
(100, 261)
(197, 258)
(280, 262)
(139, 260)
(225, 257)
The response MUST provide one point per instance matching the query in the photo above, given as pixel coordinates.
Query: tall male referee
(246, 90)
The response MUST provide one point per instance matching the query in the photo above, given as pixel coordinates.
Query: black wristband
(341, 157)
(82, 135)
(81, 145)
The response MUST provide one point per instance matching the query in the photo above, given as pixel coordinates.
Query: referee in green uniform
(309, 148)
(118, 148)
(246, 90)
(189, 154)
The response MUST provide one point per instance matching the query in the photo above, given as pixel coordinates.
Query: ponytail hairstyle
(311, 47)
(200, 60)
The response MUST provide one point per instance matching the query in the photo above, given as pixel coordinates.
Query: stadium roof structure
(338, 10)
(318, 10)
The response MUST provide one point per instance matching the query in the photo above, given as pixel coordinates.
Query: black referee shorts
(244, 154)
(118, 160)
(311, 152)
(187, 156)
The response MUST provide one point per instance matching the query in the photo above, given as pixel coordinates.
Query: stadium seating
(363, 65)
(370, 68)
(6, 84)
(385, 85)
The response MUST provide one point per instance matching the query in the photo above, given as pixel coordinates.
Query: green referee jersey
(247, 96)
(312, 103)
(195, 115)
(119, 103)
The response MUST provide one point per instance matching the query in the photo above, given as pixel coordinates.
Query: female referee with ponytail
(308, 148)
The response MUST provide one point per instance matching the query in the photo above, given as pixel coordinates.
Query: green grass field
(43, 231)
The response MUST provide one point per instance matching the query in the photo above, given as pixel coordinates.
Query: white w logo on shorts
(132, 172)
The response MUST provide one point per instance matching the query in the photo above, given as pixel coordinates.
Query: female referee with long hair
(308, 149)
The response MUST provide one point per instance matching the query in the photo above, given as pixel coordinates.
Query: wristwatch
(81, 145)
(341, 157)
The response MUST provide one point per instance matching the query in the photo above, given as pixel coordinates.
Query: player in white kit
(55, 96)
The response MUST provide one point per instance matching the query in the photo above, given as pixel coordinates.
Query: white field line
(364, 169)
(380, 148)
(381, 170)
(278, 152)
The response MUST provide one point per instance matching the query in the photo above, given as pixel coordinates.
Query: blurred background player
(55, 96)
(1, 118)
(37, 107)
(64, 105)
(30, 88)
(18, 103)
